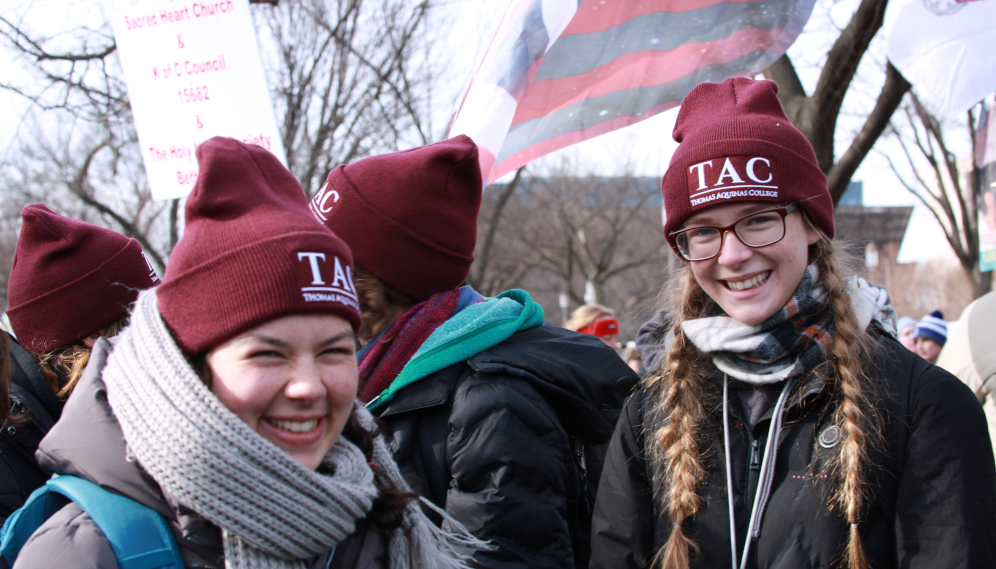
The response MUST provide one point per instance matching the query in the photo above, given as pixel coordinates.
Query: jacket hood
(30, 388)
(584, 380)
(651, 339)
(88, 442)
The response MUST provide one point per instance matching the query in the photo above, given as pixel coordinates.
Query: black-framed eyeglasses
(756, 230)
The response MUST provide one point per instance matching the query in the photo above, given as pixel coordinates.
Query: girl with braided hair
(786, 427)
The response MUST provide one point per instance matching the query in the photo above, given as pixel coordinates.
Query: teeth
(749, 283)
(295, 426)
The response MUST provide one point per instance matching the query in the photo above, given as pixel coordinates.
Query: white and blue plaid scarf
(794, 340)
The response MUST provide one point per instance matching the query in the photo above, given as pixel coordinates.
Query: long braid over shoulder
(678, 446)
(855, 412)
(682, 401)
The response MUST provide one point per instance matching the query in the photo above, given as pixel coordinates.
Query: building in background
(874, 235)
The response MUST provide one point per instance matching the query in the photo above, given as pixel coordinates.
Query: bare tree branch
(483, 258)
(949, 200)
(888, 100)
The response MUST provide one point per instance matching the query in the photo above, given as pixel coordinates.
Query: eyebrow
(339, 337)
(281, 344)
(742, 211)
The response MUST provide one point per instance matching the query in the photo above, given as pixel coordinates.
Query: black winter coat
(20, 474)
(490, 441)
(932, 503)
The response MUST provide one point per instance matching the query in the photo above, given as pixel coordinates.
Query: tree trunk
(982, 283)
(816, 115)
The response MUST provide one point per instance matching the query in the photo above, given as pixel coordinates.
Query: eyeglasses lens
(761, 229)
(754, 231)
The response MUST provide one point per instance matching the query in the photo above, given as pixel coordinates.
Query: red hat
(250, 252)
(410, 217)
(737, 145)
(70, 279)
(601, 327)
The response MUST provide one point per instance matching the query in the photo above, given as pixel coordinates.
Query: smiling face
(749, 284)
(292, 380)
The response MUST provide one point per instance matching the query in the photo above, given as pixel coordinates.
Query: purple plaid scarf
(382, 363)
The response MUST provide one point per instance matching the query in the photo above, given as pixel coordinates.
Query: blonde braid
(682, 404)
(679, 448)
(855, 413)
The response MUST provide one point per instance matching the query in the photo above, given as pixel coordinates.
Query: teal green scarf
(469, 332)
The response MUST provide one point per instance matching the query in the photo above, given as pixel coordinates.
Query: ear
(90, 340)
(813, 235)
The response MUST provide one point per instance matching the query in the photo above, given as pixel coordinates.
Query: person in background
(907, 327)
(28, 409)
(970, 353)
(229, 403)
(631, 355)
(71, 283)
(786, 427)
(596, 320)
(930, 336)
(495, 417)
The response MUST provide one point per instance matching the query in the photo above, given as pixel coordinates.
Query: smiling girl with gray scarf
(229, 404)
(784, 427)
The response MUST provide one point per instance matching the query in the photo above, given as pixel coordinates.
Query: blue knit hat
(933, 327)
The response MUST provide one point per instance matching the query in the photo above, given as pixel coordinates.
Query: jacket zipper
(753, 479)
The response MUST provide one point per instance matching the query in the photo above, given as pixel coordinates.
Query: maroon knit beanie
(736, 145)
(250, 252)
(70, 279)
(409, 217)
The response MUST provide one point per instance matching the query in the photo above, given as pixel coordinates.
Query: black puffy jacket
(933, 485)
(490, 440)
(20, 474)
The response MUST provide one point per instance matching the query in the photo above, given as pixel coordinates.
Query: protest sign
(193, 72)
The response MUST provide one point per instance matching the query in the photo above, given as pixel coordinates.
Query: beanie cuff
(796, 173)
(250, 298)
(78, 309)
(930, 335)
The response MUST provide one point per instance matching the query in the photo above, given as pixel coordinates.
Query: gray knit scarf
(273, 512)
(792, 341)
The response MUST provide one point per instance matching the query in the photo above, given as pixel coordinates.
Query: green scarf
(469, 332)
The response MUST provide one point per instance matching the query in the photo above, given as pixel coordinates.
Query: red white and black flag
(562, 71)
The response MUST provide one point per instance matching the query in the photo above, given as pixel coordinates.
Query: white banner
(945, 48)
(193, 72)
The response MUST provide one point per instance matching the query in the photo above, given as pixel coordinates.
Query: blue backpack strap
(23, 522)
(138, 535)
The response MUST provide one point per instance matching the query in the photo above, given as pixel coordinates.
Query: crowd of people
(311, 384)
